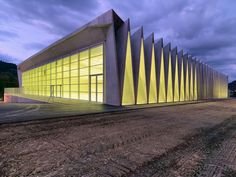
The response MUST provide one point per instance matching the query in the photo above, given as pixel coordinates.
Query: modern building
(104, 62)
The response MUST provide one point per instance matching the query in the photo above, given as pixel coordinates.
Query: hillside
(8, 76)
(232, 85)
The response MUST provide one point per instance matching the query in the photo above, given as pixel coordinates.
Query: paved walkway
(21, 112)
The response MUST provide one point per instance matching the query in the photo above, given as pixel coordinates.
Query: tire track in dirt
(202, 143)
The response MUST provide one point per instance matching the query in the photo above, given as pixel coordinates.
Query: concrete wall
(17, 99)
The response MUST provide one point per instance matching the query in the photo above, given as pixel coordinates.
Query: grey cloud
(5, 35)
(204, 29)
(62, 16)
(34, 46)
(226, 26)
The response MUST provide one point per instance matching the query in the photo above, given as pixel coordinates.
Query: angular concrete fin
(118, 22)
(150, 69)
(195, 86)
(201, 80)
(175, 74)
(186, 77)
(124, 54)
(161, 85)
(168, 73)
(214, 84)
(190, 78)
(106, 18)
(211, 82)
(204, 81)
(198, 79)
(139, 66)
(181, 76)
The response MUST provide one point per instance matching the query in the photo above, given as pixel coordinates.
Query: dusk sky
(204, 29)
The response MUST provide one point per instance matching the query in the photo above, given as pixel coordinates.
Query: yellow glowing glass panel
(98, 60)
(195, 83)
(67, 79)
(74, 73)
(74, 80)
(66, 60)
(84, 80)
(176, 84)
(59, 62)
(142, 91)
(100, 97)
(170, 82)
(74, 88)
(84, 55)
(98, 69)
(191, 82)
(182, 82)
(74, 58)
(84, 63)
(128, 87)
(84, 88)
(74, 66)
(100, 88)
(153, 82)
(96, 51)
(66, 67)
(162, 86)
(187, 83)
(84, 95)
(74, 95)
(84, 71)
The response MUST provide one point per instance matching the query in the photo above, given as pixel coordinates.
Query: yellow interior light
(153, 81)
(128, 86)
(142, 87)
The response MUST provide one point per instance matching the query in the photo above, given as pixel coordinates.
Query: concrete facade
(136, 70)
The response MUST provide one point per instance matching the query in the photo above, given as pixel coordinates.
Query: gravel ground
(184, 140)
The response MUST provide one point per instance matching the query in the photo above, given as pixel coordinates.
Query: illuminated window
(182, 93)
(195, 83)
(153, 82)
(68, 77)
(191, 82)
(170, 82)
(128, 87)
(187, 83)
(176, 84)
(142, 92)
(162, 87)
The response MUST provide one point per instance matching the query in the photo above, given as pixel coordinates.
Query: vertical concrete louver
(151, 65)
(137, 70)
(161, 82)
(195, 82)
(125, 64)
(168, 73)
(175, 74)
(181, 76)
(191, 78)
(140, 85)
(198, 79)
(186, 77)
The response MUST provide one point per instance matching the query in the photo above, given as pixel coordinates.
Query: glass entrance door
(52, 92)
(56, 91)
(96, 88)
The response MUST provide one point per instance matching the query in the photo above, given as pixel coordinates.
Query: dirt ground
(185, 140)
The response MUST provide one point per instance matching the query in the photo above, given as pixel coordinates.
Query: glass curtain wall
(79, 76)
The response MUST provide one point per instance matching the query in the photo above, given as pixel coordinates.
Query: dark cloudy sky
(203, 28)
